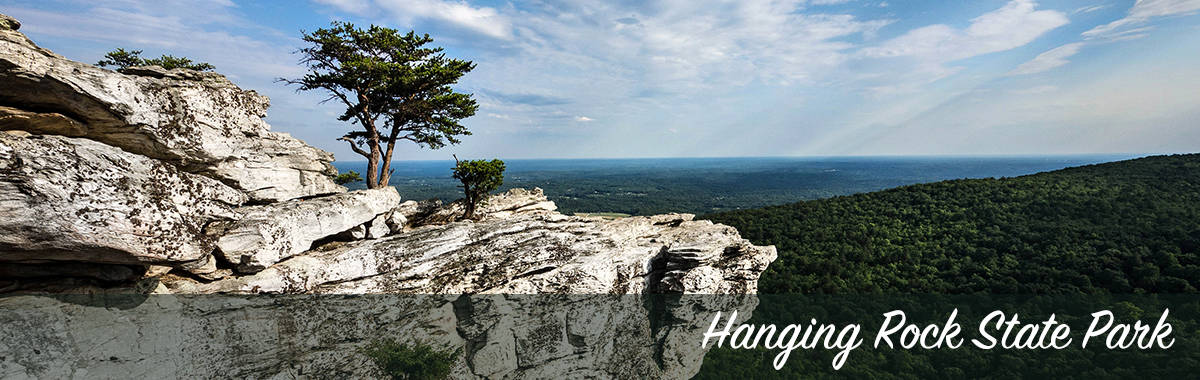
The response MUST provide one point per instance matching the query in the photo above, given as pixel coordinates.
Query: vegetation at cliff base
(1122, 227)
(416, 361)
(121, 59)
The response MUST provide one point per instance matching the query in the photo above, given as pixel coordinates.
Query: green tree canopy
(122, 58)
(347, 177)
(393, 86)
(479, 177)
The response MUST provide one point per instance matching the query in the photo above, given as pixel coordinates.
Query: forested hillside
(1121, 227)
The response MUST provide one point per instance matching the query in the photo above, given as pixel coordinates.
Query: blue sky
(684, 78)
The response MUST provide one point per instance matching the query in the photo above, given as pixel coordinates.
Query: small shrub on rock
(347, 177)
(479, 177)
(123, 59)
(415, 361)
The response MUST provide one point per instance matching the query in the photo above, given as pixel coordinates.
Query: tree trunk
(372, 141)
(469, 211)
(373, 167)
(385, 172)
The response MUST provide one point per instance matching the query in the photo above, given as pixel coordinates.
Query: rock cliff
(207, 244)
(200, 122)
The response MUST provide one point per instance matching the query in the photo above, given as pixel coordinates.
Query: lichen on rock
(72, 199)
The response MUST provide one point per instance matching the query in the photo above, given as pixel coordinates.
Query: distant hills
(1121, 227)
(649, 186)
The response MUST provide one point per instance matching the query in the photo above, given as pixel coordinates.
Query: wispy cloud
(1142, 12)
(917, 58)
(1091, 8)
(524, 99)
(161, 27)
(482, 20)
(829, 2)
(584, 119)
(1011, 26)
(727, 42)
(1044, 62)
(1042, 89)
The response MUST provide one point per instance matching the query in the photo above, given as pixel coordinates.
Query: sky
(685, 78)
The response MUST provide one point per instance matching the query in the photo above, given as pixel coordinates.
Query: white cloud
(1014, 25)
(483, 20)
(352, 6)
(583, 119)
(1053, 58)
(1141, 12)
(1091, 8)
(1145, 107)
(1035, 90)
(163, 28)
(726, 42)
(633, 62)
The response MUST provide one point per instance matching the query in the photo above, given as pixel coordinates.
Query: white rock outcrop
(522, 254)
(263, 235)
(72, 199)
(198, 121)
(512, 202)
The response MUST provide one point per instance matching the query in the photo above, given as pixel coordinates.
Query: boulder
(198, 121)
(412, 213)
(510, 203)
(263, 235)
(378, 227)
(396, 221)
(72, 199)
(517, 201)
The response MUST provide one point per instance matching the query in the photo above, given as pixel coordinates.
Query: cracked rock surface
(72, 199)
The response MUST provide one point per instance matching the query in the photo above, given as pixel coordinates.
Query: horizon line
(1006, 155)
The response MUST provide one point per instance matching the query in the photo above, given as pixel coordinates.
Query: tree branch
(354, 147)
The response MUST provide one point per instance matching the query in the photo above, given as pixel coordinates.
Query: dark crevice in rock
(464, 309)
(179, 272)
(535, 272)
(49, 95)
(670, 223)
(109, 274)
(658, 267)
